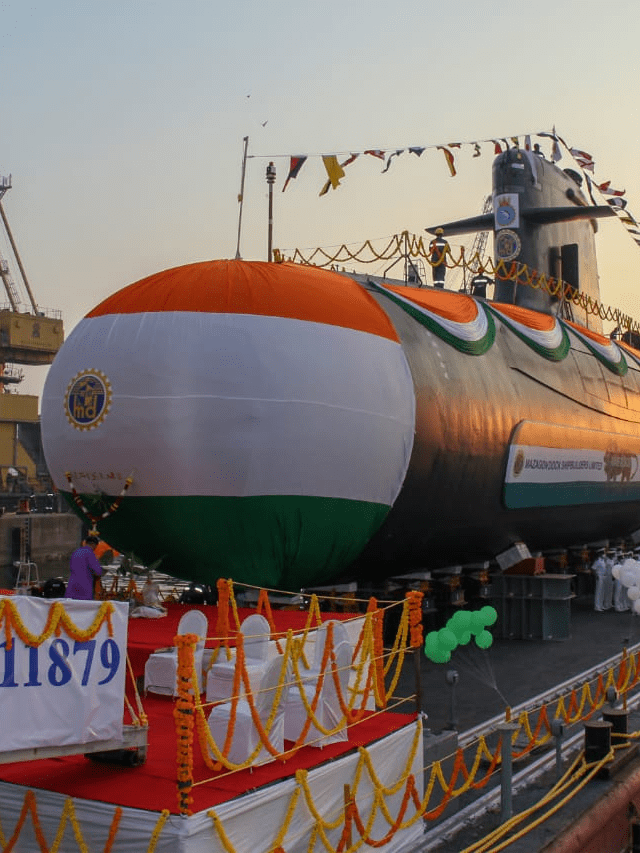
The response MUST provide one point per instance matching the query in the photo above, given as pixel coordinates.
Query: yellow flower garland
(57, 619)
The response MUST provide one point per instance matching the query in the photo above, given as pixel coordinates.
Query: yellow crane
(29, 336)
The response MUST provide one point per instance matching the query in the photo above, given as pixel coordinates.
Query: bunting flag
(606, 189)
(584, 160)
(335, 170)
(296, 164)
(556, 153)
(618, 202)
(448, 156)
(391, 156)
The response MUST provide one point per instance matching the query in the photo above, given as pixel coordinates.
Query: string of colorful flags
(335, 168)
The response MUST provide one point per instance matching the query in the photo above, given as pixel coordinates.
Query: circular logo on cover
(505, 214)
(87, 399)
(508, 245)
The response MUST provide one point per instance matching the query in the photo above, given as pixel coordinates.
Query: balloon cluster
(628, 573)
(438, 645)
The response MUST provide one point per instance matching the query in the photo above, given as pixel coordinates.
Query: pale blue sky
(122, 124)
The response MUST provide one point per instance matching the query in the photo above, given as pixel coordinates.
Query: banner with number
(62, 690)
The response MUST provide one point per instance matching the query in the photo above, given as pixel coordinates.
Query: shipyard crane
(29, 336)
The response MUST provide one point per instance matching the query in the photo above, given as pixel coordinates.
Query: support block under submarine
(285, 425)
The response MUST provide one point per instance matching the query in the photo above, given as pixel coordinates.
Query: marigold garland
(57, 619)
(408, 245)
(94, 519)
(414, 598)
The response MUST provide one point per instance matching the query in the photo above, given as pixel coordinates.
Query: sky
(122, 126)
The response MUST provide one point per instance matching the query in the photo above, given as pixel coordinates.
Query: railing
(409, 245)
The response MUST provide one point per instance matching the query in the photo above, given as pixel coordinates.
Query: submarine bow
(264, 413)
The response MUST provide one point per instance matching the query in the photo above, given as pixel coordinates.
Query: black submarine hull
(452, 508)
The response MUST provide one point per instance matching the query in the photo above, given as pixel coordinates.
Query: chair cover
(328, 710)
(340, 635)
(245, 735)
(255, 631)
(161, 669)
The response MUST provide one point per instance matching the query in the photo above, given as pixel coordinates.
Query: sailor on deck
(604, 582)
(438, 249)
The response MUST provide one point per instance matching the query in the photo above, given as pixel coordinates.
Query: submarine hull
(430, 429)
(463, 499)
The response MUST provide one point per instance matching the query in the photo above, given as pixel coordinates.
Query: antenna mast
(241, 196)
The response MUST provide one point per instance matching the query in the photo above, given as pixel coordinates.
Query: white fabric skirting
(250, 822)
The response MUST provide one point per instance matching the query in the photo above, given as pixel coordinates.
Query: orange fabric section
(527, 317)
(252, 287)
(595, 336)
(628, 347)
(452, 306)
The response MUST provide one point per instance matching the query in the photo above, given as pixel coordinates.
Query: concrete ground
(513, 671)
(508, 673)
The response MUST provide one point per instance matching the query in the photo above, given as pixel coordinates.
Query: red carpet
(152, 786)
(147, 635)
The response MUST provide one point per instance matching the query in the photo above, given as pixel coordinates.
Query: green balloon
(431, 645)
(448, 640)
(489, 615)
(460, 622)
(443, 656)
(477, 622)
(484, 639)
(465, 638)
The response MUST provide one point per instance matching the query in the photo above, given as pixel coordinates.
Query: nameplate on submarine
(554, 465)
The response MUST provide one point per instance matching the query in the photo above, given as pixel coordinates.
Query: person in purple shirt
(85, 568)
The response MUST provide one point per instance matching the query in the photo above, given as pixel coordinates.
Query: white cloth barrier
(251, 822)
(64, 691)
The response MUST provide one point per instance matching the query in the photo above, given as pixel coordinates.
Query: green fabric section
(281, 542)
(552, 353)
(523, 495)
(478, 347)
(619, 368)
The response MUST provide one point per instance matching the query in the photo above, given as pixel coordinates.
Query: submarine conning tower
(543, 226)
(533, 203)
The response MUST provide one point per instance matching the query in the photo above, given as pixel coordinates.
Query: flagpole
(241, 196)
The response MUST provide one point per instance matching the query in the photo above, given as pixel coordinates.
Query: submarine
(287, 426)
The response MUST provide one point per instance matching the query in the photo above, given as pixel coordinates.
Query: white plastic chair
(328, 711)
(245, 735)
(161, 669)
(255, 632)
(340, 635)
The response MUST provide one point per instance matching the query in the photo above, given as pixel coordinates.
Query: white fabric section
(134, 830)
(221, 674)
(550, 339)
(51, 694)
(161, 668)
(610, 351)
(217, 404)
(328, 711)
(251, 822)
(245, 734)
(473, 331)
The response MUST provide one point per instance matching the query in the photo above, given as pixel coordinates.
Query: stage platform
(137, 807)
